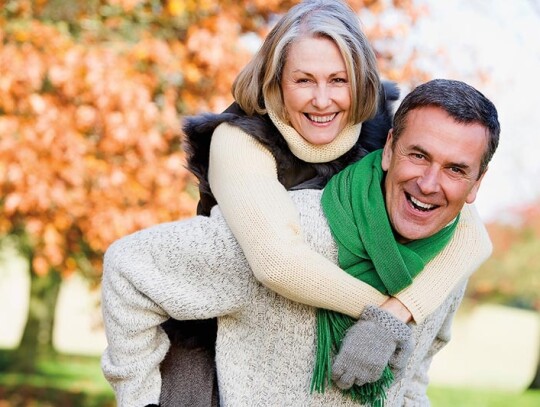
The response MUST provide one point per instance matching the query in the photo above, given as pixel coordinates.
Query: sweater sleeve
(243, 178)
(416, 387)
(191, 269)
(265, 221)
(468, 249)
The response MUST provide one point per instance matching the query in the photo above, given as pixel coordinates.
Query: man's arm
(416, 387)
(192, 269)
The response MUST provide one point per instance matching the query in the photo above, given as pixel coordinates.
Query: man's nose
(429, 182)
(322, 97)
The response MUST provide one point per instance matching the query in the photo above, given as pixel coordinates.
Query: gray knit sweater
(266, 344)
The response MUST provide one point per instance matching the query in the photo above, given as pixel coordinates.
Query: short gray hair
(462, 102)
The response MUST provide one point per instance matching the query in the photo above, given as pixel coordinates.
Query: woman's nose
(321, 97)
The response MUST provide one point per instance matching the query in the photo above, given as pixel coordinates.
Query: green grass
(457, 397)
(76, 381)
(63, 381)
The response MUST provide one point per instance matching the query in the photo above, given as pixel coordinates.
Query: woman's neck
(312, 153)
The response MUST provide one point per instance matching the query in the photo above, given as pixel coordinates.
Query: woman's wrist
(398, 309)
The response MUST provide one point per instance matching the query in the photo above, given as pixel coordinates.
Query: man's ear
(471, 196)
(387, 152)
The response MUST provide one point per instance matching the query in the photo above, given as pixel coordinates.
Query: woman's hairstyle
(461, 102)
(260, 81)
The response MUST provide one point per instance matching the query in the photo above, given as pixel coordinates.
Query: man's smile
(419, 205)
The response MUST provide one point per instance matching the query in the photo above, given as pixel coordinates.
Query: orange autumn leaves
(91, 98)
(88, 153)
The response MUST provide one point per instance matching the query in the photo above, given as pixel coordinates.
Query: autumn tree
(91, 94)
(89, 151)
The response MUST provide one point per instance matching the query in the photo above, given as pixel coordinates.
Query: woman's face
(316, 89)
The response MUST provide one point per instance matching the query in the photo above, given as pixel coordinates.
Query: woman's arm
(469, 248)
(264, 220)
(243, 179)
(173, 269)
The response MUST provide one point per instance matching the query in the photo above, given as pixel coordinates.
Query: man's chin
(407, 233)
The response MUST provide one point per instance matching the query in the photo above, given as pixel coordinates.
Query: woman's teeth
(321, 119)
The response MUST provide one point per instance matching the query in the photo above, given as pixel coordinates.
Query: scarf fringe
(331, 329)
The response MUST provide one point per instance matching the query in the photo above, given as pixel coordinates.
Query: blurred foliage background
(511, 275)
(92, 93)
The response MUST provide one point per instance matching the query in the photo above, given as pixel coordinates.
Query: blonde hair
(260, 81)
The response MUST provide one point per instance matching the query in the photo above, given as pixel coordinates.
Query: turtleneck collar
(311, 153)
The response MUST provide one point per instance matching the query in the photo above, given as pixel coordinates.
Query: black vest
(293, 172)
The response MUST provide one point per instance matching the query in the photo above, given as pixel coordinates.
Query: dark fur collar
(293, 173)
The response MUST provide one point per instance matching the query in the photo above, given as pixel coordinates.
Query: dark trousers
(189, 370)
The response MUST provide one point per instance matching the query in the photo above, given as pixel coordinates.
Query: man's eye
(417, 156)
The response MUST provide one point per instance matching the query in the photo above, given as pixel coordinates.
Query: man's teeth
(321, 119)
(421, 205)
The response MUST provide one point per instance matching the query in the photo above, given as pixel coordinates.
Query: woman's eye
(339, 80)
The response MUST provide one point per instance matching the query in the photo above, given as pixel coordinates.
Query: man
(435, 158)
(444, 135)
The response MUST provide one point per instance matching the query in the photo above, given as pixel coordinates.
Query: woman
(298, 119)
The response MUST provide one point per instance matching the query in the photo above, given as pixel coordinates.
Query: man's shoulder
(308, 199)
(308, 203)
(314, 224)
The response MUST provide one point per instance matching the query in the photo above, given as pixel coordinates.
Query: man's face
(432, 171)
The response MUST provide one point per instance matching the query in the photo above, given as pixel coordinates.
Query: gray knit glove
(399, 360)
(375, 341)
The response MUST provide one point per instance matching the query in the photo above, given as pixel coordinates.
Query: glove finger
(370, 374)
(360, 381)
(399, 359)
(398, 373)
(345, 382)
(338, 369)
(401, 356)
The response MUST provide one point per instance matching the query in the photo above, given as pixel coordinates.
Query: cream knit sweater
(262, 217)
(266, 344)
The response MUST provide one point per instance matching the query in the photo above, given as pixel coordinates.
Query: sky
(501, 39)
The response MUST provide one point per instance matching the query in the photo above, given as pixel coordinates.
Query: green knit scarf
(354, 204)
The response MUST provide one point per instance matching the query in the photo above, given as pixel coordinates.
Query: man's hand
(375, 341)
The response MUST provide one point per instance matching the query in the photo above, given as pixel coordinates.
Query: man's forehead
(438, 118)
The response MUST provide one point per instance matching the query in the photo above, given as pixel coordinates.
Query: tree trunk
(535, 384)
(36, 341)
